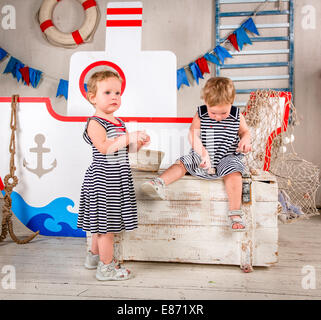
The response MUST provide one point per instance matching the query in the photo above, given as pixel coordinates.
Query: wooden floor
(52, 268)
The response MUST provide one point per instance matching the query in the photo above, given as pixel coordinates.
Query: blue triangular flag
(62, 88)
(250, 25)
(18, 74)
(10, 65)
(3, 53)
(210, 57)
(181, 78)
(35, 76)
(13, 67)
(222, 53)
(196, 71)
(38, 77)
(242, 37)
(32, 76)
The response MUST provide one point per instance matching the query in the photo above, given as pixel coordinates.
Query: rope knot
(9, 185)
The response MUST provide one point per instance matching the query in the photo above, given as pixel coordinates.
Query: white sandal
(111, 272)
(118, 264)
(154, 188)
(238, 220)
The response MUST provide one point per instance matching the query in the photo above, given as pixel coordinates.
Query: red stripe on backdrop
(157, 119)
(124, 10)
(123, 23)
(1, 185)
(283, 128)
(59, 117)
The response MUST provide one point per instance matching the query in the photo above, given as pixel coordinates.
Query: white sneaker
(154, 188)
(91, 261)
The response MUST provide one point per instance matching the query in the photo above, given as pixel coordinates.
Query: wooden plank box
(191, 224)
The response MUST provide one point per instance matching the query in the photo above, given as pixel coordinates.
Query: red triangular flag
(25, 74)
(202, 63)
(233, 40)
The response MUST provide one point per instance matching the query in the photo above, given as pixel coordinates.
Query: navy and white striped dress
(220, 138)
(107, 198)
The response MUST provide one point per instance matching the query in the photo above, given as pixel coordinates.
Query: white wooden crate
(191, 225)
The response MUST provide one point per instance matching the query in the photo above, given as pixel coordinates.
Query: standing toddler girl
(107, 200)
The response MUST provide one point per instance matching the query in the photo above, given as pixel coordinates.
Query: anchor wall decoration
(40, 150)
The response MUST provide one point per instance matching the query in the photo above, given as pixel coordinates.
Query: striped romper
(107, 198)
(220, 138)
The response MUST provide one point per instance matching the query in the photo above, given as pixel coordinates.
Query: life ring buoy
(73, 39)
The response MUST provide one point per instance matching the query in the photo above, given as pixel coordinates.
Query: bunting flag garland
(62, 88)
(217, 56)
(198, 67)
(15, 66)
(181, 78)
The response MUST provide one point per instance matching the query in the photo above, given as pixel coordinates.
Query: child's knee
(233, 179)
(106, 235)
(181, 165)
(235, 175)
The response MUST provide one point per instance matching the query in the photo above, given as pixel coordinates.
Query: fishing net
(298, 181)
(271, 117)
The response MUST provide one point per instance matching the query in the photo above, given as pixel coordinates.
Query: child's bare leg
(106, 247)
(173, 173)
(94, 244)
(233, 187)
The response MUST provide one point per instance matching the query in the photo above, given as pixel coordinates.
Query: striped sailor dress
(107, 198)
(220, 138)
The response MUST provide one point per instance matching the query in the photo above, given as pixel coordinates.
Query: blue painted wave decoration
(54, 219)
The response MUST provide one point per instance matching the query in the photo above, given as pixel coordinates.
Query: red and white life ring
(73, 39)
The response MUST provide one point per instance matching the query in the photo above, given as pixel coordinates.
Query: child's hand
(244, 145)
(139, 136)
(146, 141)
(206, 162)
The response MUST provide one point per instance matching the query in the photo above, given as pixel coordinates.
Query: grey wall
(185, 27)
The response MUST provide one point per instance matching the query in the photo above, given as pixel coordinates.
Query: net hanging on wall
(267, 114)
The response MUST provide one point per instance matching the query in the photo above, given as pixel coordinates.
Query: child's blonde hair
(100, 76)
(218, 91)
